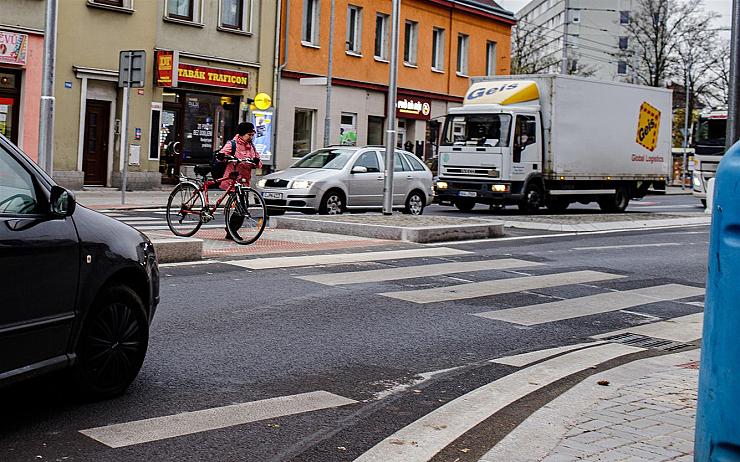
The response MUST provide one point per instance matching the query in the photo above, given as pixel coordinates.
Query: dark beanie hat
(244, 128)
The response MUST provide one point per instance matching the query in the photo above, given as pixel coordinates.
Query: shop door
(10, 84)
(170, 146)
(95, 150)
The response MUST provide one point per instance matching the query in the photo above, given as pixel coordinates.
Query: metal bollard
(718, 408)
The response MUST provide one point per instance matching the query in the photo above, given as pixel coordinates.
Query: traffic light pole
(390, 137)
(733, 112)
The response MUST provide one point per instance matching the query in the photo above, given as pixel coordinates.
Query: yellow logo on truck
(502, 92)
(648, 126)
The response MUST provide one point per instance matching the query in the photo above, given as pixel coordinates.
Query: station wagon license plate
(467, 194)
(272, 195)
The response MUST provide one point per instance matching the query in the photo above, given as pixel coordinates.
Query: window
(462, 54)
(154, 128)
(118, 3)
(181, 9)
(381, 36)
(354, 28)
(491, 58)
(525, 133)
(369, 160)
(575, 16)
(235, 15)
(310, 22)
(375, 130)
(410, 42)
(399, 163)
(17, 191)
(348, 129)
(624, 17)
(622, 67)
(623, 43)
(438, 48)
(302, 132)
(416, 164)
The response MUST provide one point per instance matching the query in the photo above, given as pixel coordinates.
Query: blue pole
(718, 408)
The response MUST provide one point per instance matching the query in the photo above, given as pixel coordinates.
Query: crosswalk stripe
(630, 246)
(133, 218)
(394, 274)
(499, 286)
(594, 304)
(524, 359)
(682, 329)
(328, 259)
(187, 423)
(422, 439)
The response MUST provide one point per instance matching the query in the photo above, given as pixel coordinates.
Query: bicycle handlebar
(236, 160)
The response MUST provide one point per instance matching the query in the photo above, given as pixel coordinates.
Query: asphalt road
(225, 334)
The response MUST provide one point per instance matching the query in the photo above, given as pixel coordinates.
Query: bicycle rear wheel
(245, 215)
(184, 208)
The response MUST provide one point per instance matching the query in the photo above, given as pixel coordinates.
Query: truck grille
(474, 171)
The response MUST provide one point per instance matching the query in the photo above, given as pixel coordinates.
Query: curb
(608, 226)
(177, 249)
(422, 235)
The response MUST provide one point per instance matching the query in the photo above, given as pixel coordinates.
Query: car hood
(313, 174)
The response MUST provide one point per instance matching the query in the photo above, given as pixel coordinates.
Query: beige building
(205, 62)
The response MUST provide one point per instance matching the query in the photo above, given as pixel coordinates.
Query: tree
(717, 92)
(529, 50)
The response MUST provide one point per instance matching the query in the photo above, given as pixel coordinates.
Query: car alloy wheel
(414, 204)
(332, 204)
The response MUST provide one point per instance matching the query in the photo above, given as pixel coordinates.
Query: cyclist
(244, 150)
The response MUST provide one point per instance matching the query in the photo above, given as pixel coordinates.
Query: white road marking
(188, 263)
(128, 218)
(408, 272)
(422, 439)
(499, 286)
(524, 359)
(593, 304)
(187, 423)
(682, 329)
(338, 258)
(628, 246)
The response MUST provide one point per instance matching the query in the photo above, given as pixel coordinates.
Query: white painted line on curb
(422, 439)
(189, 263)
(629, 246)
(499, 286)
(339, 258)
(187, 423)
(524, 359)
(682, 329)
(533, 315)
(408, 272)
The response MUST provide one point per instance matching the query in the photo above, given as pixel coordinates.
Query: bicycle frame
(203, 186)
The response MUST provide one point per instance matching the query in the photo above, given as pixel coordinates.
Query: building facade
(205, 63)
(441, 44)
(597, 41)
(21, 67)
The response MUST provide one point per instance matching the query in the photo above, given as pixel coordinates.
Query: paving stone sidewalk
(651, 419)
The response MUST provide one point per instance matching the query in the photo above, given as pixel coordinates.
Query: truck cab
(708, 141)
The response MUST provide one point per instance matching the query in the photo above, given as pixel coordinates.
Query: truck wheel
(532, 200)
(616, 203)
(557, 205)
(464, 205)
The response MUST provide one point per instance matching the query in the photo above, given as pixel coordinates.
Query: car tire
(615, 203)
(112, 344)
(333, 203)
(464, 205)
(532, 200)
(415, 203)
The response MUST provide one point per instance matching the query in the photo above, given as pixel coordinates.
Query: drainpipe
(279, 71)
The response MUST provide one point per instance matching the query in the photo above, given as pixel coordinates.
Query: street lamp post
(327, 117)
(390, 138)
(733, 111)
(46, 115)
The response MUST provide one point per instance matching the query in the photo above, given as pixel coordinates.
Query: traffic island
(177, 249)
(409, 228)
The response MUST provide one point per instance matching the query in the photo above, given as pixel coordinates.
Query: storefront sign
(262, 121)
(165, 61)
(13, 48)
(212, 76)
(413, 108)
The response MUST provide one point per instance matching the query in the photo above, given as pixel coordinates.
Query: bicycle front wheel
(245, 215)
(184, 209)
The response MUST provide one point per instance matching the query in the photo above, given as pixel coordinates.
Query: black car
(78, 289)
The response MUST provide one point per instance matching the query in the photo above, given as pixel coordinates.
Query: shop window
(208, 121)
(310, 34)
(348, 129)
(354, 29)
(410, 43)
(381, 36)
(10, 84)
(302, 132)
(491, 58)
(462, 54)
(438, 49)
(184, 10)
(154, 133)
(236, 15)
(375, 130)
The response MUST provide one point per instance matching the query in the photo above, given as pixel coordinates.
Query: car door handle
(409, 178)
(380, 178)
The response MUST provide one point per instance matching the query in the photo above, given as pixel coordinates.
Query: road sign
(132, 68)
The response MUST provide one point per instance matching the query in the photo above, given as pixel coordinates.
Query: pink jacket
(244, 150)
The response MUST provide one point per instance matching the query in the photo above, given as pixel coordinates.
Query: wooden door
(95, 151)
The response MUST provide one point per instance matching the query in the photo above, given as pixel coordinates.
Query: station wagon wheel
(112, 344)
(414, 203)
(332, 203)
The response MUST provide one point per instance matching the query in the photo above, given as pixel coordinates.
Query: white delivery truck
(552, 140)
(708, 145)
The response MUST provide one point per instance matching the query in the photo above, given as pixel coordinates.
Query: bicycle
(188, 206)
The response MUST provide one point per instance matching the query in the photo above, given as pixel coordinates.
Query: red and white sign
(413, 108)
(168, 61)
(13, 48)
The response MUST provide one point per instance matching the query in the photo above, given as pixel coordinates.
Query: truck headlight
(301, 184)
(500, 188)
(261, 183)
(441, 185)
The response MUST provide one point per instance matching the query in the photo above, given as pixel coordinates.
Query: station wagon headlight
(301, 184)
(261, 183)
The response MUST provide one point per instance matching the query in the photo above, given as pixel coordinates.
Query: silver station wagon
(337, 179)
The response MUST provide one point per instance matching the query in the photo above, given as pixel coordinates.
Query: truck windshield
(710, 132)
(477, 130)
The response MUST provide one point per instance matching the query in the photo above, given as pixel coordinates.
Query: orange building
(441, 44)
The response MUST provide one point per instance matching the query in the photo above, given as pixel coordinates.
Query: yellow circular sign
(262, 101)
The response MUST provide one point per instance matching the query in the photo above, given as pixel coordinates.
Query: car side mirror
(62, 202)
(359, 169)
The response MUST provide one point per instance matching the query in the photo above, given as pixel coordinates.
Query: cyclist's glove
(255, 160)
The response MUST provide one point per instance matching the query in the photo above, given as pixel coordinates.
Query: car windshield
(334, 159)
(477, 130)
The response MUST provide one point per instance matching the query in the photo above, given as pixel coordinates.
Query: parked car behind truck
(552, 140)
